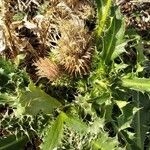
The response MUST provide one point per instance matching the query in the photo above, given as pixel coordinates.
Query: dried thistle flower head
(58, 12)
(70, 3)
(74, 48)
(84, 9)
(47, 68)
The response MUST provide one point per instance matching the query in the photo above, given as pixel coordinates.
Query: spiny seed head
(84, 9)
(47, 68)
(74, 48)
(71, 3)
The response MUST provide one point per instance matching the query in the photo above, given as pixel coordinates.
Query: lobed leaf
(13, 143)
(100, 143)
(141, 119)
(112, 37)
(103, 7)
(54, 134)
(76, 124)
(36, 100)
(139, 84)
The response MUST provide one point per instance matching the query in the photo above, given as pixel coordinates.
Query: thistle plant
(108, 100)
(73, 42)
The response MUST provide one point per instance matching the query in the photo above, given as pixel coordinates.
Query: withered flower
(74, 48)
(47, 68)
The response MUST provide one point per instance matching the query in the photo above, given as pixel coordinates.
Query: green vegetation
(73, 76)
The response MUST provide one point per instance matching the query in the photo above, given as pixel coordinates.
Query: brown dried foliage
(60, 28)
(73, 41)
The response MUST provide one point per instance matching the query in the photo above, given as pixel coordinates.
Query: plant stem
(139, 143)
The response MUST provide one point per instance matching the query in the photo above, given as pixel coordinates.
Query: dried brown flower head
(74, 48)
(47, 68)
(70, 3)
(84, 9)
